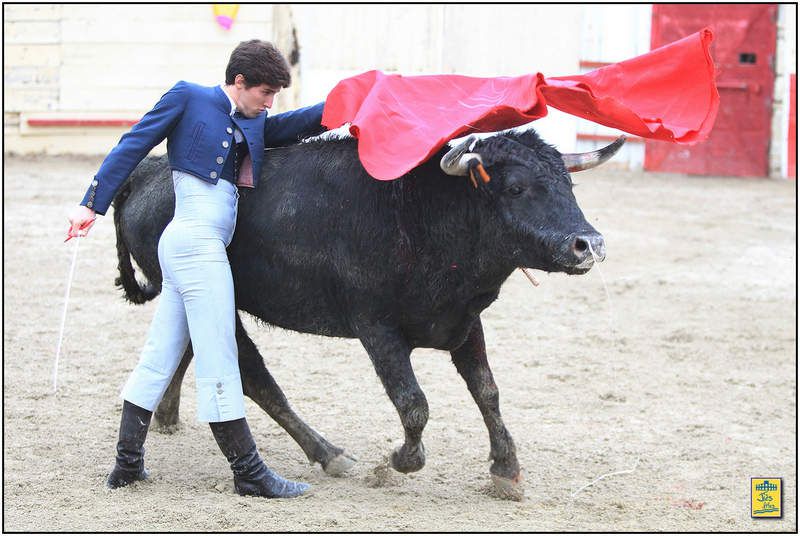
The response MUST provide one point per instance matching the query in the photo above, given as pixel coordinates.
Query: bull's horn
(581, 161)
(456, 161)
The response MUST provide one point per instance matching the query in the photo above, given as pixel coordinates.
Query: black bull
(323, 248)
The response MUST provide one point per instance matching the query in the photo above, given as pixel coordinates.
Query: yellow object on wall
(225, 14)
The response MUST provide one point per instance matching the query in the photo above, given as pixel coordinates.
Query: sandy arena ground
(689, 369)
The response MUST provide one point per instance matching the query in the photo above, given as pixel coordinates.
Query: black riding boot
(130, 447)
(250, 475)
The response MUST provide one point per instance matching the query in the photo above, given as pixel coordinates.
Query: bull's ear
(477, 173)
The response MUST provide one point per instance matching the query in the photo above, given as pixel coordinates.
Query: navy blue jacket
(198, 126)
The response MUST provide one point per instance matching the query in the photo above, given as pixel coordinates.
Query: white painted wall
(113, 60)
(338, 41)
(785, 65)
(117, 60)
(612, 33)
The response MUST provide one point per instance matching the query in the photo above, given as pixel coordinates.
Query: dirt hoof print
(383, 476)
(508, 489)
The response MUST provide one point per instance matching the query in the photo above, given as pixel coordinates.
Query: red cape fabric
(400, 121)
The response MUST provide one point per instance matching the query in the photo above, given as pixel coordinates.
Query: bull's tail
(133, 291)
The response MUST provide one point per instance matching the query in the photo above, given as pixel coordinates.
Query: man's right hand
(81, 219)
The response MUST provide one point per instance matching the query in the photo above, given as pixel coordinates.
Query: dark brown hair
(260, 63)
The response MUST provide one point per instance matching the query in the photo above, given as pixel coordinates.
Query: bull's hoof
(512, 489)
(339, 465)
(165, 426)
(408, 460)
(166, 421)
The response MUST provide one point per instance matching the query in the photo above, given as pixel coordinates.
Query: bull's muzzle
(586, 248)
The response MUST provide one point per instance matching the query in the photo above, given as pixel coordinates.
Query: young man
(215, 141)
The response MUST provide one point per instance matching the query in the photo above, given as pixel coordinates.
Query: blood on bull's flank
(397, 264)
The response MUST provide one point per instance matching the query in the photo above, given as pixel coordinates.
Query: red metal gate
(744, 53)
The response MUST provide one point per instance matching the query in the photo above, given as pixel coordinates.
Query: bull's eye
(515, 190)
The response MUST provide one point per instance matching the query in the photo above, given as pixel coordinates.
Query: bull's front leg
(391, 357)
(470, 361)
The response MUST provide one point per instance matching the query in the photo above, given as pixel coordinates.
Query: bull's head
(531, 192)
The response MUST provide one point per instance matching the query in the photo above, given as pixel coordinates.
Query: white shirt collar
(233, 104)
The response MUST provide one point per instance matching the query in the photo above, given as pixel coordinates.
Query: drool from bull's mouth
(608, 295)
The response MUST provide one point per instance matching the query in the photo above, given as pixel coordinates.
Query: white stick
(64, 313)
(598, 479)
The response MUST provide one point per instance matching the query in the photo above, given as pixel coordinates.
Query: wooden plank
(32, 12)
(16, 76)
(174, 31)
(31, 99)
(32, 55)
(162, 53)
(11, 120)
(43, 122)
(143, 13)
(36, 32)
(792, 140)
(120, 100)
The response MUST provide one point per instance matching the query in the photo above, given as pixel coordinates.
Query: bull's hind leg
(391, 357)
(166, 414)
(259, 385)
(470, 361)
